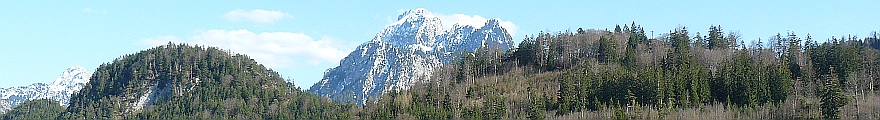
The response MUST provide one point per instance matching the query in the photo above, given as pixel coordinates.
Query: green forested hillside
(193, 82)
(39, 109)
(622, 74)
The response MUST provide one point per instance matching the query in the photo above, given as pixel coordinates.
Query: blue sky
(300, 39)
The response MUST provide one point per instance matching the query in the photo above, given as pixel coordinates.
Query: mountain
(193, 82)
(71, 81)
(404, 53)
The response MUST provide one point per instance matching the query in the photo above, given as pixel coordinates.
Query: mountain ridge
(70, 81)
(403, 53)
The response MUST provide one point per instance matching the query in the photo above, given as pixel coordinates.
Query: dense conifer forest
(582, 74)
(179, 81)
(623, 74)
(35, 109)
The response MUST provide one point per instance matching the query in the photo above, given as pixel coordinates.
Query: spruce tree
(832, 97)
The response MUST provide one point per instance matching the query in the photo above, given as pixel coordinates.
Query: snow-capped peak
(415, 13)
(418, 23)
(492, 22)
(69, 82)
(404, 53)
(74, 75)
(415, 16)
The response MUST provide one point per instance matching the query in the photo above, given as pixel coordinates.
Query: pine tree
(716, 38)
(832, 97)
(607, 50)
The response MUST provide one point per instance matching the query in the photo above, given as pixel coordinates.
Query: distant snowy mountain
(404, 53)
(70, 81)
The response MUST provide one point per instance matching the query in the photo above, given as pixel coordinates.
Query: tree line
(572, 72)
(582, 74)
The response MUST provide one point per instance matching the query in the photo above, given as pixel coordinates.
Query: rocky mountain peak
(419, 24)
(404, 53)
(418, 12)
(72, 76)
(70, 81)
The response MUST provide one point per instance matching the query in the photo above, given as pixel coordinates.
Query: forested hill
(623, 74)
(193, 82)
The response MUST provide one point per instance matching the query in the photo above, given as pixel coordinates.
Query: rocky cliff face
(70, 81)
(404, 53)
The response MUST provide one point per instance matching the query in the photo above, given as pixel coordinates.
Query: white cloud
(273, 49)
(257, 16)
(511, 28)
